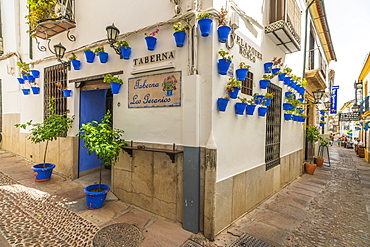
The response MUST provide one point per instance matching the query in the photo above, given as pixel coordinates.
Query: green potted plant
(251, 106)
(105, 141)
(75, 62)
(223, 30)
(24, 69)
(114, 82)
(268, 98)
(288, 75)
(151, 41)
(224, 62)
(89, 55)
(265, 81)
(232, 87)
(40, 10)
(180, 34)
(54, 126)
(204, 22)
(242, 72)
(125, 49)
(103, 56)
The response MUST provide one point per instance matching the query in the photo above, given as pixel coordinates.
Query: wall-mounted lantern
(112, 34)
(59, 50)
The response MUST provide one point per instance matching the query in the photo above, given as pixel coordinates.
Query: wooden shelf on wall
(171, 153)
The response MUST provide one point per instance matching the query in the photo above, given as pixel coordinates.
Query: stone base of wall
(62, 152)
(237, 195)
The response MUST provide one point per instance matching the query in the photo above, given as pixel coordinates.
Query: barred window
(247, 84)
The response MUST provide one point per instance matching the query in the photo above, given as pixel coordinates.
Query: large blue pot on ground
(250, 109)
(222, 104)
(90, 56)
(76, 64)
(115, 87)
(241, 74)
(35, 73)
(233, 93)
(223, 66)
(103, 57)
(264, 83)
(268, 66)
(151, 42)
(35, 90)
(240, 108)
(42, 173)
(223, 33)
(205, 26)
(262, 111)
(179, 38)
(95, 200)
(126, 52)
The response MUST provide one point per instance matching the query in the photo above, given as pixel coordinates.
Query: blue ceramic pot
(35, 90)
(223, 33)
(205, 26)
(67, 93)
(281, 76)
(115, 87)
(179, 38)
(287, 116)
(240, 108)
(20, 80)
(126, 52)
(268, 66)
(223, 66)
(287, 80)
(259, 99)
(241, 74)
(275, 70)
(95, 200)
(103, 57)
(268, 102)
(90, 56)
(287, 107)
(76, 64)
(222, 104)
(264, 83)
(250, 109)
(262, 111)
(151, 42)
(233, 93)
(35, 73)
(42, 173)
(26, 91)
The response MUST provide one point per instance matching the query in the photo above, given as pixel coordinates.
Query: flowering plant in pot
(24, 70)
(223, 30)
(242, 72)
(54, 126)
(268, 98)
(251, 106)
(89, 55)
(103, 56)
(232, 87)
(276, 65)
(224, 62)
(105, 141)
(114, 82)
(240, 106)
(287, 76)
(180, 34)
(264, 82)
(125, 49)
(204, 22)
(75, 62)
(151, 41)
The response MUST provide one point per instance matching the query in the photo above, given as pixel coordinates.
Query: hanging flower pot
(233, 92)
(287, 116)
(322, 124)
(205, 26)
(222, 104)
(67, 92)
(25, 75)
(275, 70)
(287, 107)
(241, 74)
(26, 91)
(126, 52)
(95, 200)
(264, 83)
(287, 94)
(115, 87)
(281, 76)
(179, 38)
(250, 109)
(262, 111)
(240, 108)
(267, 102)
(223, 33)
(20, 80)
(322, 112)
(267, 66)
(151, 42)
(76, 64)
(30, 78)
(293, 84)
(301, 99)
(35, 73)
(258, 99)
(43, 172)
(302, 91)
(35, 90)
(287, 80)
(223, 66)
(90, 56)
(103, 57)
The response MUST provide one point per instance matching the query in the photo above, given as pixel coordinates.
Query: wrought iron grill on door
(273, 128)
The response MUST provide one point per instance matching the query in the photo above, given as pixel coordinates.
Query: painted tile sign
(159, 90)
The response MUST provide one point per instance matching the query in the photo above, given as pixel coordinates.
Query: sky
(349, 24)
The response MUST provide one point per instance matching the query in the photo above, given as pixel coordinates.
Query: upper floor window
(247, 84)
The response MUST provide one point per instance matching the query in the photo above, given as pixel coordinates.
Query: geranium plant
(72, 57)
(123, 43)
(269, 95)
(178, 27)
(151, 34)
(243, 65)
(99, 49)
(169, 83)
(112, 79)
(203, 16)
(225, 54)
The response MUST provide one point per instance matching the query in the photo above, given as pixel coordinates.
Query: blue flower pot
(20, 80)
(240, 108)
(250, 109)
(169, 93)
(35, 90)
(179, 38)
(258, 99)
(322, 124)
(115, 87)
(322, 112)
(103, 57)
(295, 118)
(95, 200)
(301, 99)
(302, 91)
(293, 84)
(42, 173)
(262, 111)
(24, 76)
(241, 74)
(151, 42)
(205, 26)
(287, 107)
(287, 80)
(275, 70)
(30, 78)
(76, 64)
(268, 66)
(90, 56)
(126, 52)
(35, 73)
(67, 93)
(234, 92)
(223, 66)
(223, 33)
(264, 83)
(26, 91)
(281, 76)
(287, 116)
(268, 102)
(287, 94)
(222, 104)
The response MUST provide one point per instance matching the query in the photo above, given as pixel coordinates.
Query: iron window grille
(273, 128)
(247, 84)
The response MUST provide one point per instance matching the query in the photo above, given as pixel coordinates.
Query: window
(311, 54)
(52, 75)
(273, 128)
(247, 84)
(276, 10)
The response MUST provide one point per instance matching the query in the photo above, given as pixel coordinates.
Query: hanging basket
(205, 26)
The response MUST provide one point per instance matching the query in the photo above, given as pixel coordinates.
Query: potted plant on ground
(204, 22)
(240, 106)
(89, 55)
(233, 87)
(105, 141)
(75, 62)
(151, 41)
(242, 72)
(223, 30)
(264, 82)
(125, 49)
(180, 34)
(103, 56)
(53, 127)
(224, 62)
(222, 103)
(115, 83)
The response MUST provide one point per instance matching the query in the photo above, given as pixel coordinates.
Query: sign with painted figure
(334, 99)
(158, 90)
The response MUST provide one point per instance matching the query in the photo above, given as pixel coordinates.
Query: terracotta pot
(318, 161)
(310, 168)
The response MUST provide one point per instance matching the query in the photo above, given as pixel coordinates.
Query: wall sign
(159, 90)
(349, 116)
(160, 57)
(334, 99)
